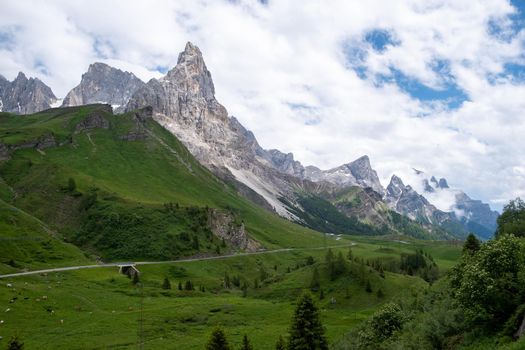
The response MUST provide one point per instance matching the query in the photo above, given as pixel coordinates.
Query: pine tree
(280, 345)
(368, 287)
(246, 345)
(188, 286)
(315, 284)
(15, 344)
(306, 331)
(471, 245)
(340, 265)
(330, 264)
(218, 340)
(166, 284)
(180, 285)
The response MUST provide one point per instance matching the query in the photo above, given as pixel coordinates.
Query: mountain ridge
(183, 102)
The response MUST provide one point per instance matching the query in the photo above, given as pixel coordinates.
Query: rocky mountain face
(357, 173)
(475, 215)
(103, 84)
(405, 200)
(184, 102)
(25, 96)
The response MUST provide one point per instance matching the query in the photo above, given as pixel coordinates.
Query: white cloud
(282, 71)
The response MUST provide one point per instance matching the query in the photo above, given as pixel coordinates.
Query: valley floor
(99, 309)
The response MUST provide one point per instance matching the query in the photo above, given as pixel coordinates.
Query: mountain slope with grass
(122, 187)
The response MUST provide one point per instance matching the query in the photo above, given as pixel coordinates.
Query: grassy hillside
(27, 241)
(98, 309)
(124, 174)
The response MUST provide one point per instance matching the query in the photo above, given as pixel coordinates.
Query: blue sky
(434, 85)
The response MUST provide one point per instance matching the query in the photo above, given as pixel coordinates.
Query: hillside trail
(138, 263)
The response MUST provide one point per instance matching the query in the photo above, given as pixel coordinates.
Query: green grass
(26, 241)
(101, 309)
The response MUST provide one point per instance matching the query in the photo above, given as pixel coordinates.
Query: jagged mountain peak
(443, 183)
(191, 74)
(395, 187)
(25, 96)
(103, 84)
(20, 76)
(190, 50)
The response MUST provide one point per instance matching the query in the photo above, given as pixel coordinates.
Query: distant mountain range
(346, 199)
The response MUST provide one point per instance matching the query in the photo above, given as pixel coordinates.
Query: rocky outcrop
(225, 226)
(104, 84)
(521, 331)
(284, 162)
(356, 173)
(4, 152)
(25, 96)
(95, 120)
(41, 143)
(139, 130)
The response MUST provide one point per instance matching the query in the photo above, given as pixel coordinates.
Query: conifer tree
(188, 286)
(306, 331)
(471, 245)
(180, 285)
(246, 345)
(330, 264)
(15, 343)
(166, 284)
(368, 287)
(280, 345)
(218, 340)
(315, 283)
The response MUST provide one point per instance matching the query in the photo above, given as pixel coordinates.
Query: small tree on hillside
(188, 285)
(15, 343)
(246, 345)
(71, 185)
(368, 287)
(315, 283)
(218, 340)
(306, 331)
(471, 245)
(280, 345)
(330, 264)
(166, 284)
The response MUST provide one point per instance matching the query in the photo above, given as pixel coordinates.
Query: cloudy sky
(433, 84)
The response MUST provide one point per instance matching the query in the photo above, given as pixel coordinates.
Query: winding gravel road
(138, 263)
